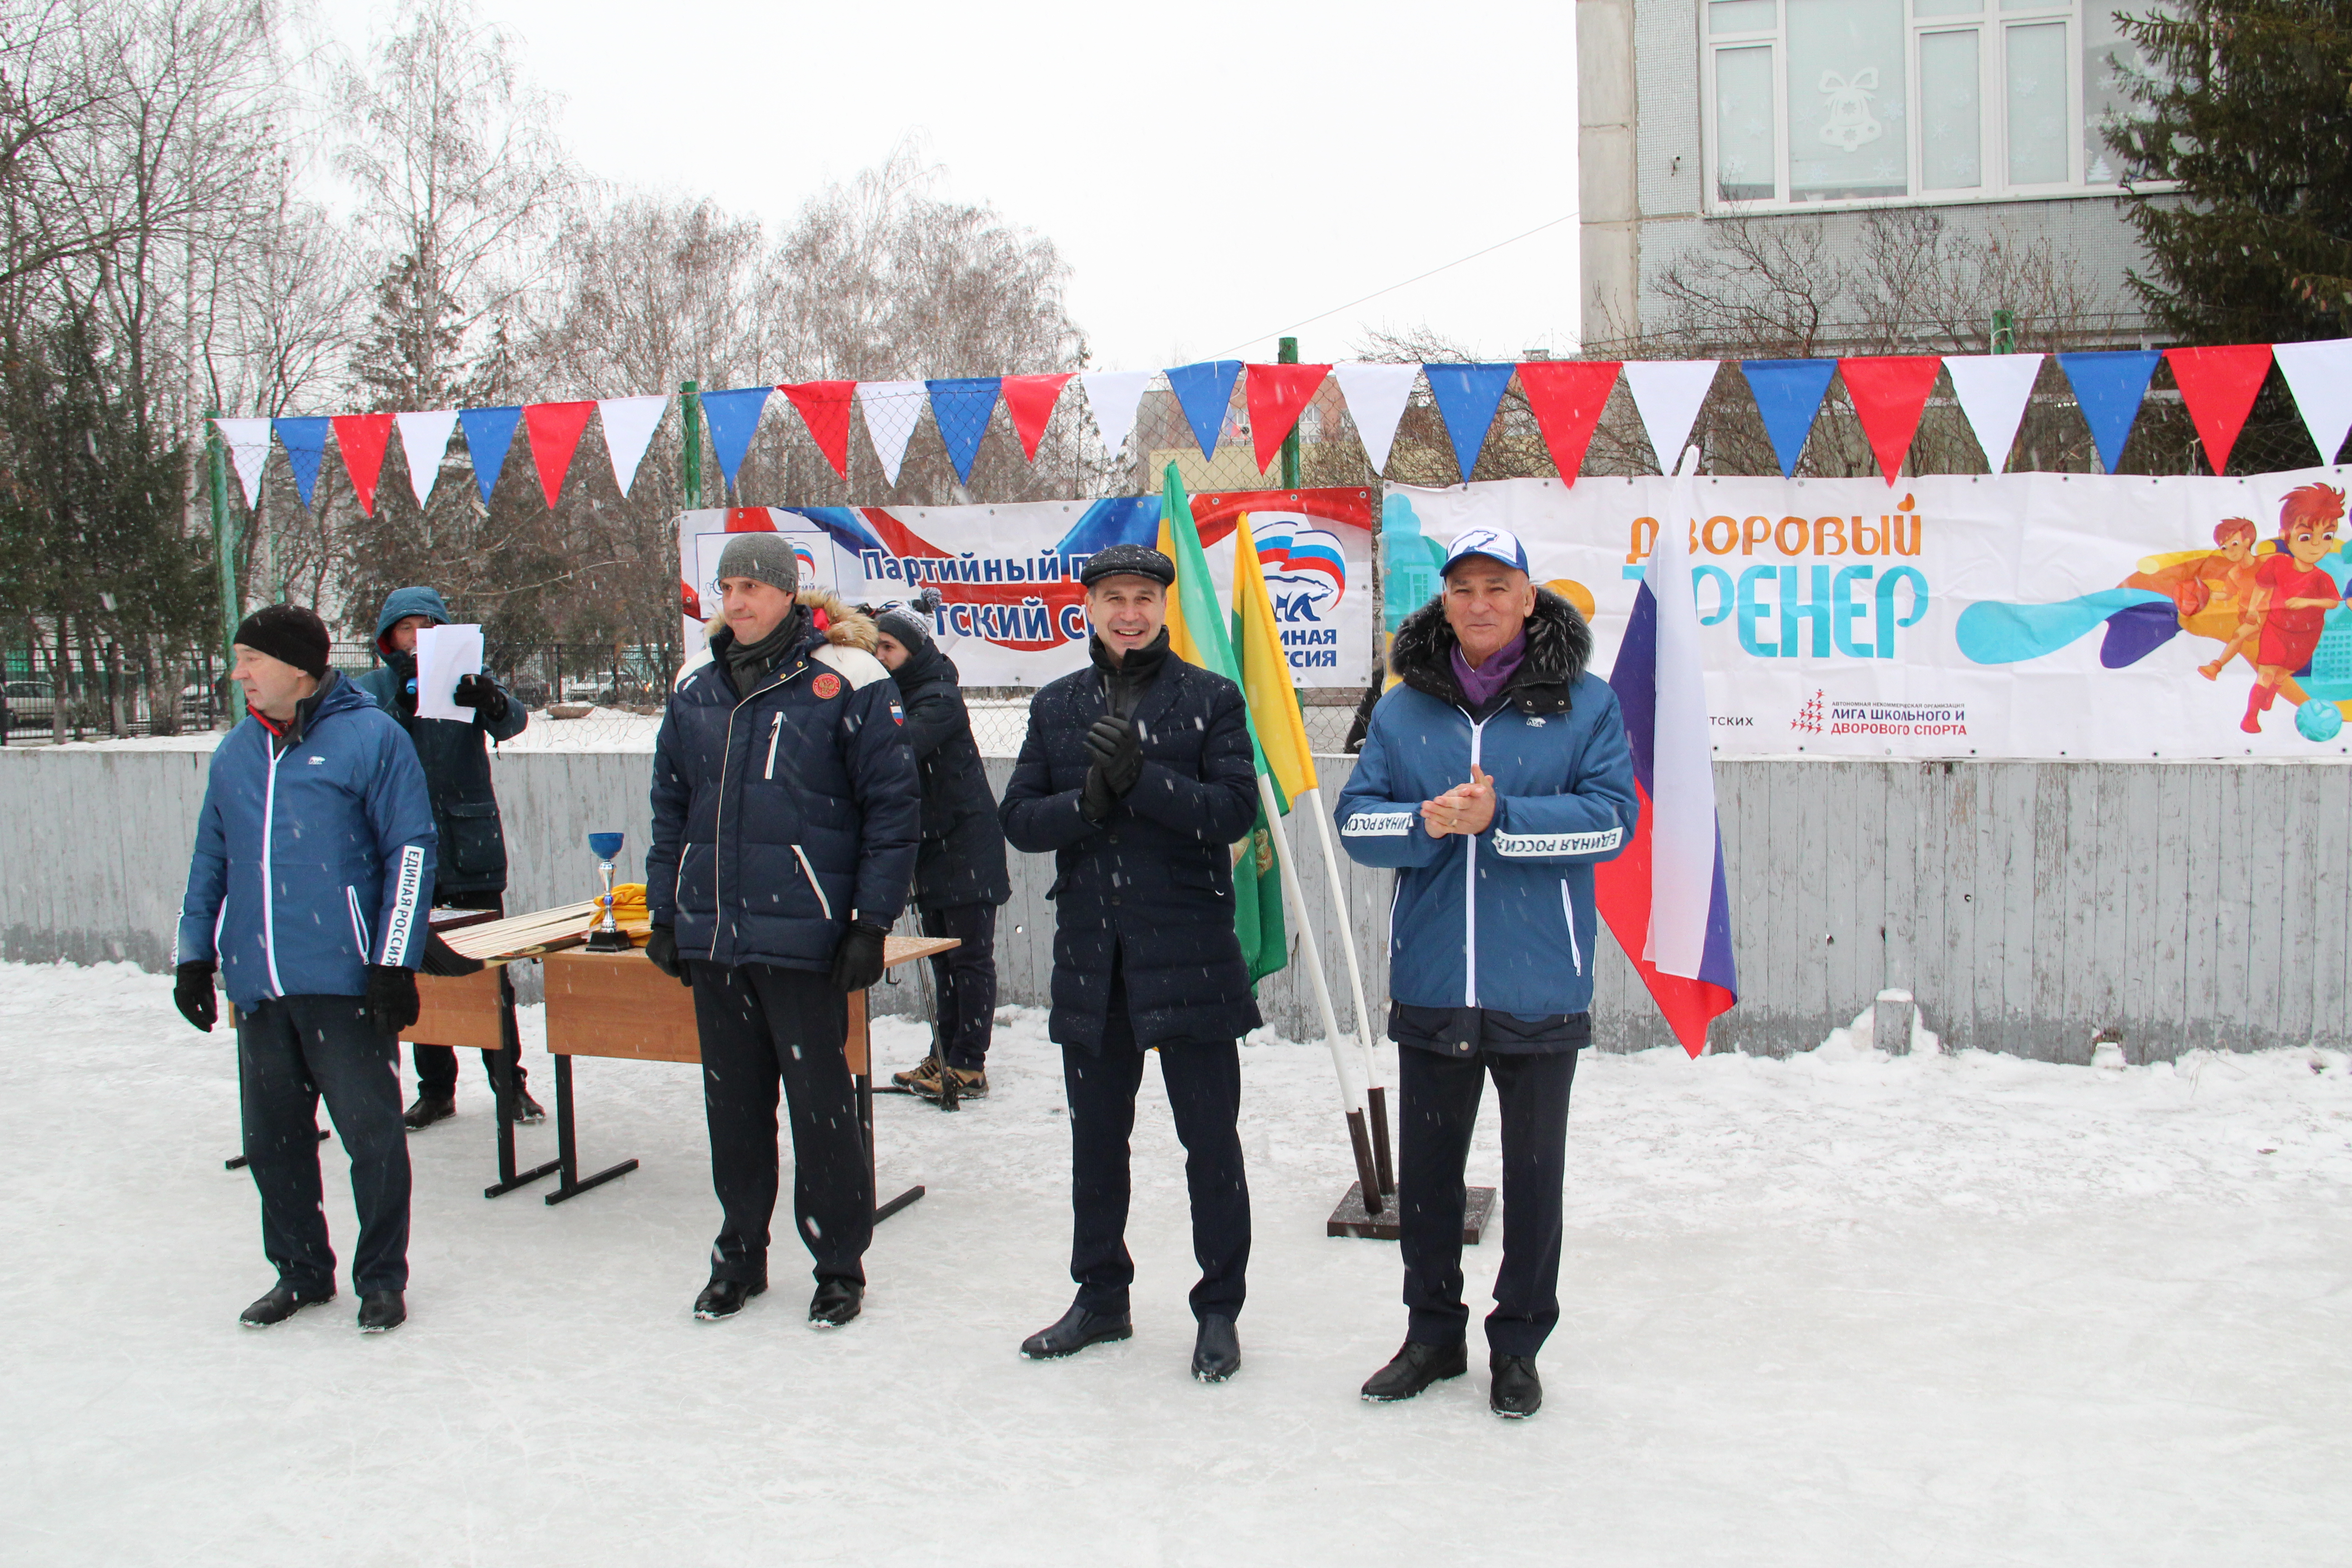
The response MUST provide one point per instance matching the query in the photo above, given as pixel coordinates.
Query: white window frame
(1992, 26)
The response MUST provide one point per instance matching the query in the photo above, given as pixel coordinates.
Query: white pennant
(424, 437)
(1667, 394)
(892, 430)
(1376, 395)
(248, 452)
(2320, 377)
(1113, 395)
(629, 425)
(1992, 390)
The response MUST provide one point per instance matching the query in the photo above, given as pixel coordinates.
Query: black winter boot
(1076, 1330)
(835, 1302)
(382, 1310)
(1416, 1366)
(1517, 1393)
(429, 1109)
(282, 1302)
(724, 1299)
(1216, 1350)
(528, 1112)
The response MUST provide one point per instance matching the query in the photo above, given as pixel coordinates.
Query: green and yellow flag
(1275, 717)
(1197, 633)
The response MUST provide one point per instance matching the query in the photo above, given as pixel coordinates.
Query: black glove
(858, 962)
(191, 993)
(480, 693)
(447, 961)
(1118, 751)
(391, 1002)
(662, 949)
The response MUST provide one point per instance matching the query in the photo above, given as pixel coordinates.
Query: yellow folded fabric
(628, 905)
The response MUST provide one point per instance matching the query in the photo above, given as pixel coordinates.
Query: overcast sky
(1216, 173)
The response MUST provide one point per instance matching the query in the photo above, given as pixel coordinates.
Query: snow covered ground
(1837, 1309)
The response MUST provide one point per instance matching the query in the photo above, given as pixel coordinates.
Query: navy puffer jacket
(782, 812)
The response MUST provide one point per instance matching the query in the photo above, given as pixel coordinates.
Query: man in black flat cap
(1136, 774)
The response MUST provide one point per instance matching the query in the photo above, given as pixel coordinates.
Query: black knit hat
(1128, 561)
(289, 634)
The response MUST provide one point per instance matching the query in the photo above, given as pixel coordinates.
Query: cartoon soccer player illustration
(2220, 603)
(2292, 594)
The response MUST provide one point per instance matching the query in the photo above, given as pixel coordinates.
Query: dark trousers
(1440, 1107)
(761, 1027)
(289, 1051)
(965, 977)
(1204, 1096)
(437, 1066)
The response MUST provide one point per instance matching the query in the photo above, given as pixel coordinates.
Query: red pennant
(554, 433)
(2219, 385)
(1030, 400)
(1890, 392)
(361, 438)
(1279, 394)
(1568, 396)
(824, 409)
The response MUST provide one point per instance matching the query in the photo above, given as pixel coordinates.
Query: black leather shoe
(429, 1109)
(1076, 1331)
(1517, 1393)
(382, 1310)
(835, 1302)
(282, 1302)
(724, 1299)
(1216, 1350)
(1416, 1366)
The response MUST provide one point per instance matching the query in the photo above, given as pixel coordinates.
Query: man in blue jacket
(472, 872)
(786, 816)
(1492, 778)
(309, 893)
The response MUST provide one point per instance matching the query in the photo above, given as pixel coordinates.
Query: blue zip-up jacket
(314, 853)
(782, 811)
(1503, 920)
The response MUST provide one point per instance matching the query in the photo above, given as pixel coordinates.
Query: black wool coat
(962, 857)
(1154, 884)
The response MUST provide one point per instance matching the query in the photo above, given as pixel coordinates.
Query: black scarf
(1124, 679)
(747, 662)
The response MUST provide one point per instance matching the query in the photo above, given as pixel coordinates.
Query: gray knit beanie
(908, 623)
(764, 558)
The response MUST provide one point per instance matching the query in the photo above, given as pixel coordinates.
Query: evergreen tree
(2247, 109)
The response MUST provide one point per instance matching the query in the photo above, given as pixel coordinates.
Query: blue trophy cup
(607, 937)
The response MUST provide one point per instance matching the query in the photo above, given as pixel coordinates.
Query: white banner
(2013, 615)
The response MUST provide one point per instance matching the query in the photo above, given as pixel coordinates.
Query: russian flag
(1663, 898)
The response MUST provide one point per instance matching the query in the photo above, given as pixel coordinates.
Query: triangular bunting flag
(1113, 395)
(892, 410)
(1890, 392)
(361, 438)
(1277, 395)
(2109, 388)
(824, 408)
(1567, 396)
(1203, 391)
(1030, 400)
(489, 433)
(1376, 395)
(2218, 386)
(629, 425)
(1467, 396)
(1788, 393)
(305, 441)
(1992, 390)
(1667, 394)
(2320, 377)
(248, 452)
(735, 415)
(962, 406)
(424, 441)
(555, 430)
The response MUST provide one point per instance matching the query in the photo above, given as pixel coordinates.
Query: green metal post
(225, 551)
(1290, 356)
(2004, 331)
(690, 401)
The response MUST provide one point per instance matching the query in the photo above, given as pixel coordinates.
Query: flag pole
(1344, 1058)
(1376, 1099)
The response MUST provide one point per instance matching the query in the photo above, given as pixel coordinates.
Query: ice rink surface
(1839, 1309)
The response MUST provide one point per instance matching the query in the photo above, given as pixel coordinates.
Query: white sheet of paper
(443, 655)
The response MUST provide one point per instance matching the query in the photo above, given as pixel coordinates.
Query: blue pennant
(1467, 396)
(1788, 392)
(489, 433)
(734, 415)
(2110, 388)
(1202, 391)
(305, 441)
(963, 408)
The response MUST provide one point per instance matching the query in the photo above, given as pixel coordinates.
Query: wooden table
(619, 1004)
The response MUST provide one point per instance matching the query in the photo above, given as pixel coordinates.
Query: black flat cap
(1126, 560)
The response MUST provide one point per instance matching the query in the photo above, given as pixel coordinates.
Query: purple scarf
(1480, 685)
